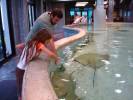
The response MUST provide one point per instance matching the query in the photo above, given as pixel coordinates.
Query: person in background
(31, 50)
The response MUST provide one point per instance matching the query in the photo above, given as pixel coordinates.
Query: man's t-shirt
(42, 21)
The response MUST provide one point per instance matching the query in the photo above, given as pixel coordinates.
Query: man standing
(47, 20)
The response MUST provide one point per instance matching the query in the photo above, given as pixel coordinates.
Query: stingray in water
(94, 61)
(64, 85)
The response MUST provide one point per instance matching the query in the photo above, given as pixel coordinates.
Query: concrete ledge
(37, 84)
(66, 41)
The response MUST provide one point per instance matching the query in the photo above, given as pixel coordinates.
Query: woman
(32, 50)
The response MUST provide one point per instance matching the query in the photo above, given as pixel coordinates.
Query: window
(84, 13)
(90, 12)
(78, 13)
(71, 13)
(31, 13)
(7, 48)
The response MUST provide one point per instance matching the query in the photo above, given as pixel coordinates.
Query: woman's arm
(47, 51)
(52, 46)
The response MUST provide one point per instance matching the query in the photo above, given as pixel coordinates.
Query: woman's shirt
(28, 54)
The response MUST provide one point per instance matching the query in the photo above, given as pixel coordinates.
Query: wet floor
(99, 67)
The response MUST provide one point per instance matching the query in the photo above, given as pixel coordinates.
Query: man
(47, 20)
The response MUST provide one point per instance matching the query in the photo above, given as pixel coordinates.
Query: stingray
(94, 61)
(64, 85)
